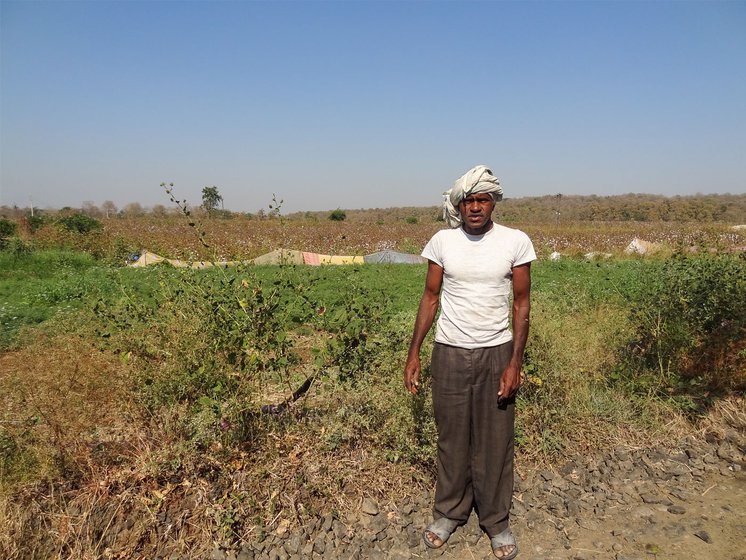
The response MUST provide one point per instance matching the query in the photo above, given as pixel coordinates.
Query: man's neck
(478, 231)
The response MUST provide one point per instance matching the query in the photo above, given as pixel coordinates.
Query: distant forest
(630, 207)
(722, 208)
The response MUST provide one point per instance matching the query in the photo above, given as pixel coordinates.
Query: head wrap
(477, 180)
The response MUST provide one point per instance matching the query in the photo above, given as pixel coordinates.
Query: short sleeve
(524, 249)
(432, 250)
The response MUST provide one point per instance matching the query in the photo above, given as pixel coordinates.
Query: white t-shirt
(477, 281)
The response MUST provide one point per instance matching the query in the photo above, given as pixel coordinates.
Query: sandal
(504, 539)
(442, 528)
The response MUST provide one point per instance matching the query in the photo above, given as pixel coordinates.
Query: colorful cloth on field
(315, 259)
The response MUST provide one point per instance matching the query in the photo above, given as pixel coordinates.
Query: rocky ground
(683, 502)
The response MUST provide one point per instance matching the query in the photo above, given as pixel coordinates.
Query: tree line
(724, 208)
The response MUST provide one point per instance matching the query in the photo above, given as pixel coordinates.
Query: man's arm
(423, 323)
(510, 380)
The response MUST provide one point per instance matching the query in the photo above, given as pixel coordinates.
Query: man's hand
(422, 324)
(412, 374)
(510, 382)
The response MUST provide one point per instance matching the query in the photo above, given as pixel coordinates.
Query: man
(476, 360)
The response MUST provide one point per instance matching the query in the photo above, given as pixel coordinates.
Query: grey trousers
(475, 435)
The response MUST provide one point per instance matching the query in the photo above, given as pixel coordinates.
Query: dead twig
(710, 488)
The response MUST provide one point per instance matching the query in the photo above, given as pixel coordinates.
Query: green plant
(38, 220)
(15, 246)
(411, 219)
(409, 246)
(7, 231)
(36, 285)
(7, 228)
(354, 323)
(79, 223)
(211, 340)
(338, 215)
(690, 320)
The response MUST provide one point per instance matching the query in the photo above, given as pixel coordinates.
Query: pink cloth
(311, 258)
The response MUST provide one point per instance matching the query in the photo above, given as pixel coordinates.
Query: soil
(678, 503)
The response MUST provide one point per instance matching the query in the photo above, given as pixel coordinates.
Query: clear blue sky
(367, 104)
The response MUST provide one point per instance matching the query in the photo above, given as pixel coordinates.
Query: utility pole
(31, 202)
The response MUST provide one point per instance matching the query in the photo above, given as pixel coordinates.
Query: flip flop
(505, 538)
(442, 528)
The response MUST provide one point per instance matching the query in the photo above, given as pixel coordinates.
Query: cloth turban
(477, 180)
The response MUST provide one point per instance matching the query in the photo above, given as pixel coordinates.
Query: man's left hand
(510, 382)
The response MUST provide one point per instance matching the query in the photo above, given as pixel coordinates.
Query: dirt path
(709, 520)
(676, 503)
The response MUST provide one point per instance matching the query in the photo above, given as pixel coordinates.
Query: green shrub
(79, 223)
(17, 458)
(37, 221)
(7, 228)
(207, 340)
(353, 323)
(690, 319)
(7, 231)
(338, 215)
(411, 219)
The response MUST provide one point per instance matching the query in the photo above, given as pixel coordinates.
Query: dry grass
(568, 406)
(729, 412)
(63, 406)
(62, 394)
(105, 480)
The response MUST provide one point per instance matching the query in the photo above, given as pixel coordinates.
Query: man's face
(476, 212)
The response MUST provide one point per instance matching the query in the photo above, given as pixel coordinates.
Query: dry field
(244, 238)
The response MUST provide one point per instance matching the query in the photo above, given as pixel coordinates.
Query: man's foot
(438, 532)
(504, 545)
(504, 551)
(432, 540)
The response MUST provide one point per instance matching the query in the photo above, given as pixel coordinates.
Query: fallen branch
(283, 406)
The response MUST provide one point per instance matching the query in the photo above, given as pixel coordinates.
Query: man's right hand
(423, 322)
(412, 374)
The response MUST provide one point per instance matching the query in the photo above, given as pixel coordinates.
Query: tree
(158, 210)
(133, 209)
(90, 209)
(109, 208)
(210, 199)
